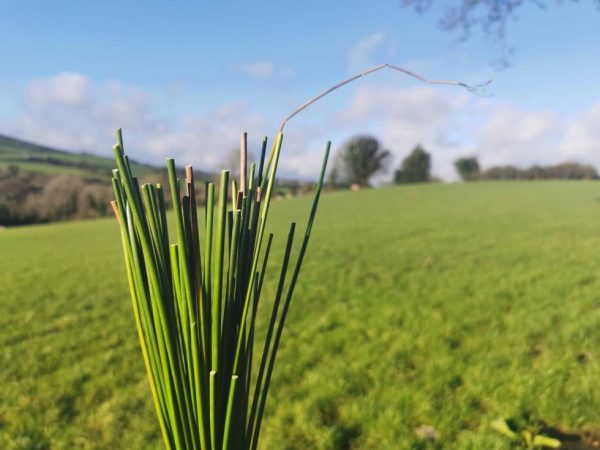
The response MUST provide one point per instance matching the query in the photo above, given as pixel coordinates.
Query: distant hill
(36, 158)
(42, 184)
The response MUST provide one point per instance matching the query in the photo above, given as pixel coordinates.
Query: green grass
(31, 157)
(446, 305)
(50, 169)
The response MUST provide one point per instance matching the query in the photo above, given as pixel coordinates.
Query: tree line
(468, 169)
(363, 157)
(27, 197)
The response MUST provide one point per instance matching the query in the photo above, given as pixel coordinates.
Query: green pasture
(30, 157)
(448, 305)
(49, 169)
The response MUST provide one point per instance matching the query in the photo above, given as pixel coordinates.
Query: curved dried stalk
(195, 308)
(475, 89)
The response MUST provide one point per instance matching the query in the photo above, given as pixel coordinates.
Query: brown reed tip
(113, 203)
(189, 174)
(243, 161)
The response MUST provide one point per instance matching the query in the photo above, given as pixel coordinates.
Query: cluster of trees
(27, 197)
(468, 169)
(363, 157)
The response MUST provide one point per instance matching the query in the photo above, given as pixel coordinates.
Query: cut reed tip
(189, 174)
(113, 203)
(243, 160)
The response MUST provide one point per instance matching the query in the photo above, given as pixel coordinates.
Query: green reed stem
(196, 320)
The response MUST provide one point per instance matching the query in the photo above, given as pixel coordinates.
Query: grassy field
(30, 157)
(440, 305)
(49, 169)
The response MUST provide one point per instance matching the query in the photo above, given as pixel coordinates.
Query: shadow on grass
(584, 440)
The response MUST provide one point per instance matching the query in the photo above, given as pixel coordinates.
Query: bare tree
(492, 17)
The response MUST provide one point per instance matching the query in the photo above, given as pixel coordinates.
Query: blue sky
(185, 79)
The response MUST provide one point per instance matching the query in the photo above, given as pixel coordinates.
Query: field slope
(30, 157)
(440, 305)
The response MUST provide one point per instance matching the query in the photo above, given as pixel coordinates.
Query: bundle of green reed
(196, 315)
(195, 301)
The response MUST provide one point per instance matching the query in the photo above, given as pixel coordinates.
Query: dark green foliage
(563, 171)
(415, 167)
(196, 315)
(358, 160)
(467, 168)
(5, 215)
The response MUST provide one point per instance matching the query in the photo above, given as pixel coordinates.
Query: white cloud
(67, 88)
(205, 140)
(582, 137)
(451, 123)
(360, 56)
(71, 111)
(264, 70)
(408, 116)
(257, 69)
(518, 136)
